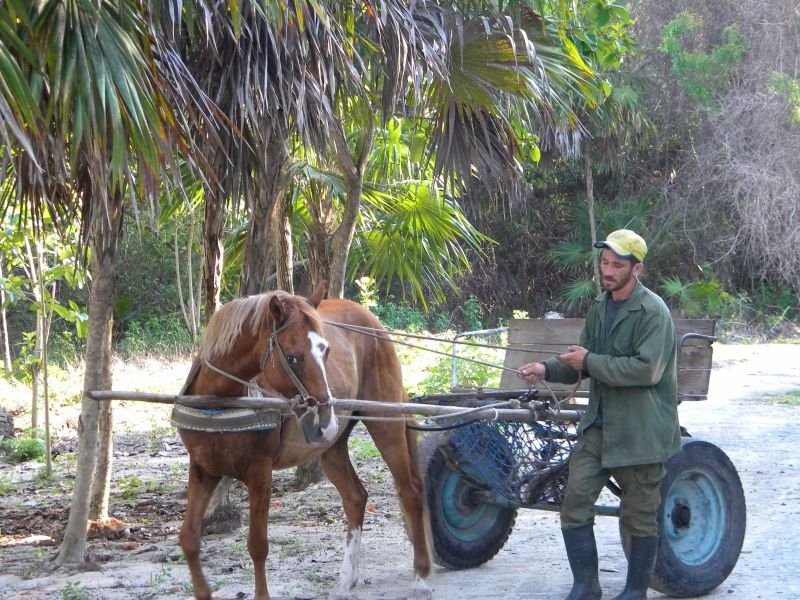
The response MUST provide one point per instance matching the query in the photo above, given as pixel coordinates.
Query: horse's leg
(259, 487)
(201, 487)
(395, 442)
(339, 470)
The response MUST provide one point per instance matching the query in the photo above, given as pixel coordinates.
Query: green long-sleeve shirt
(633, 377)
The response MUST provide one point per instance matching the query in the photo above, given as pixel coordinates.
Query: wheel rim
(694, 516)
(466, 519)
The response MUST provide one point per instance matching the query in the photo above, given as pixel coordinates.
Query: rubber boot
(582, 555)
(641, 563)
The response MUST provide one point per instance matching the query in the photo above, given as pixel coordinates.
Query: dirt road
(306, 530)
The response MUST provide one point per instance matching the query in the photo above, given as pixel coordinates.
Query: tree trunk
(34, 275)
(98, 508)
(589, 182)
(352, 167)
(105, 227)
(4, 321)
(282, 236)
(260, 257)
(258, 264)
(213, 252)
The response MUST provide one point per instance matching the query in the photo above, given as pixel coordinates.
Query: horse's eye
(293, 360)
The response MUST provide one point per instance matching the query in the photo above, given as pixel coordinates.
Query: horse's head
(293, 363)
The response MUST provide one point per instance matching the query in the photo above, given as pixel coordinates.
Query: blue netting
(525, 462)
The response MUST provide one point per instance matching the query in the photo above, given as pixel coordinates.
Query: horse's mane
(228, 323)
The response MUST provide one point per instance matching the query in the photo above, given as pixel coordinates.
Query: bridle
(273, 344)
(303, 399)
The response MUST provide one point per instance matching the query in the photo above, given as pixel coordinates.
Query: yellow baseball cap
(625, 244)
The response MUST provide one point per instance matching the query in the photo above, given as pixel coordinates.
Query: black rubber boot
(640, 568)
(582, 555)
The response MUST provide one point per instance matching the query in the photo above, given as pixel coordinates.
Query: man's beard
(612, 285)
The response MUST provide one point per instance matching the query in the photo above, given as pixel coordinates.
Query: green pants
(640, 484)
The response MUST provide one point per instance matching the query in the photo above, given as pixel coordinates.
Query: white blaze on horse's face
(319, 348)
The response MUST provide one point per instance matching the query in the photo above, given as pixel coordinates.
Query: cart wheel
(466, 532)
(701, 522)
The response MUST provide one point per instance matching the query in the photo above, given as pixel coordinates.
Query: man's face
(617, 273)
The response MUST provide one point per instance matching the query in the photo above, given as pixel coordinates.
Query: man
(630, 427)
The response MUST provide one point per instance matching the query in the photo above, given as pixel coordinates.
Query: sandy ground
(307, 531)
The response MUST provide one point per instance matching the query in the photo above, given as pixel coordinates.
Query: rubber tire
(465, 533)
(701, 522)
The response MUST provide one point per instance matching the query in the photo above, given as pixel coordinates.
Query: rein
(378, 333)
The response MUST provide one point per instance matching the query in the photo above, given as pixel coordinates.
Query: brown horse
(281, 341)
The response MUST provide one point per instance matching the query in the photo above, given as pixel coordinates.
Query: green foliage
(573, 256)
(160, 336)
(762, 314)
(363, 448)
(788, 87)
(473, 312)
(790, 398)
(702, 75)
(6, 486)
(416, 235)
(367, 292)
(75, 591)
(400, 317)
(476, 367)
(698, 299)
(132, 487)
(578, 291)
(23, 449)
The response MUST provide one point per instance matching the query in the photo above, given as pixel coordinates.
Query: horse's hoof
(420, 591)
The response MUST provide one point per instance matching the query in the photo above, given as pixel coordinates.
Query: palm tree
(103, 110)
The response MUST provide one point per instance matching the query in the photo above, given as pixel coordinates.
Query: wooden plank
(536, 339)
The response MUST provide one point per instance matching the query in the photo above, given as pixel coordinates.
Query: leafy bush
(476, 367)
(23, 449)
(162, 336)
(402, 318)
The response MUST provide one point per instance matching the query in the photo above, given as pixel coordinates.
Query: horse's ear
(277, 309)
(318, 294)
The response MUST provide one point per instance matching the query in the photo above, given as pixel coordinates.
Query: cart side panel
(695, 352)
(536, 339)
(532, 340)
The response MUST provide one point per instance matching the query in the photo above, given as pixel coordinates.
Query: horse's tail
(412, 440)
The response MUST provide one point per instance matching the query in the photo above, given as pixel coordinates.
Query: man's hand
(575, 357)
(531, 372)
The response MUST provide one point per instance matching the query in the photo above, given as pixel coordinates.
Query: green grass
(362, 448)
(790, 398)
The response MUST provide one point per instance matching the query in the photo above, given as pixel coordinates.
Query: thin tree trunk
(188, 306)
(213, 253)
(4, 323)
(589, 181)
(105, 233)
(193, 306)
(282, 234)
(352, 168)
(34, 275)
